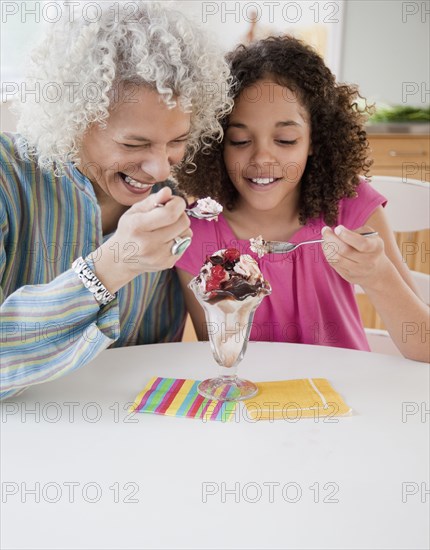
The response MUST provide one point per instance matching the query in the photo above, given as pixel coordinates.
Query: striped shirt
(50, 323)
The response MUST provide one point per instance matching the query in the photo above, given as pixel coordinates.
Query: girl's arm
(194, 308)
(377, 266)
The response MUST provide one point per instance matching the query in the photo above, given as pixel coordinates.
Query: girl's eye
(238, 143)
(287, 142)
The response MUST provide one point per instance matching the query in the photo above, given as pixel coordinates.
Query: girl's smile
(262, 184)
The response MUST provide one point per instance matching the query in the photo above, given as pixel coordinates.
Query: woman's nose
(158, 166)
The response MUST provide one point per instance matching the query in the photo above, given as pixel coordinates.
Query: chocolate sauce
(215, 260)
(234, 289)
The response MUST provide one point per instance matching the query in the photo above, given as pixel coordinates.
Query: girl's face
(143, 138)
(266, 146)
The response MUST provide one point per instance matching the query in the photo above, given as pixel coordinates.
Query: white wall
(385, 42)
(386, 50)
(8, 119)
(319, 22)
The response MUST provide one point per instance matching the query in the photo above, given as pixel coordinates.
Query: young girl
(287, 169)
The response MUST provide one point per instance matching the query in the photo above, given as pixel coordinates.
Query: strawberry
(212, 285)
(217, 275)
(231, 255)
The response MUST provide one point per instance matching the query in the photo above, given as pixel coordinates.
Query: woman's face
(142, 140)
(267, 144)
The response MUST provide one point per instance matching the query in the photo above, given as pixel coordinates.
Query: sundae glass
(229, 287)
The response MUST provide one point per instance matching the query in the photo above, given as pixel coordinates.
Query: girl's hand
(359, 260)
(143, 240)
(375, 263)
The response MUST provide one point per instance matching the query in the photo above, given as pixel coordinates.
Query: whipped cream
(259, 246)
(208, 207)
(248, 268)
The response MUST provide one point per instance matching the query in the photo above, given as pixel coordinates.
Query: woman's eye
(179, 142)
(130, 146)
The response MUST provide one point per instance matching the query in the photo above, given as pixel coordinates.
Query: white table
(354, 482)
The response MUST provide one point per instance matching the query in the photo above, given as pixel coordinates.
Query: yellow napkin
(295, 399)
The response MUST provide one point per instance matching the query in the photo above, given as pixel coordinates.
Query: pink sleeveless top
(310, 303)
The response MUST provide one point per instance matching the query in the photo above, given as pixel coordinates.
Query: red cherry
(217, 275)
(231, 254)
(211, 285)
(217, 272)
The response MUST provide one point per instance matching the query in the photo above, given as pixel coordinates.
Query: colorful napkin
(295, 399)
(179, 397)
(281, 400)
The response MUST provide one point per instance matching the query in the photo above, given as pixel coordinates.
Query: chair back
(408, 207)
(408, 211)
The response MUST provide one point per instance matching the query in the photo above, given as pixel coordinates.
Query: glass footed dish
(229, 322)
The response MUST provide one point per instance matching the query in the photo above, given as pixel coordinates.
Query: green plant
(400, 113)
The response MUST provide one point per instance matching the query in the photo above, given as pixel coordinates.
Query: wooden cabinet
(402, 155)
(406, 156)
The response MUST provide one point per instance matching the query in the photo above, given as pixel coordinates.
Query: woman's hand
(143, 240)
(358, 259)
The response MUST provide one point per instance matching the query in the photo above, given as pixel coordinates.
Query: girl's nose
(262, 155)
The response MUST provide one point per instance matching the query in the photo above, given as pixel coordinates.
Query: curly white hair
(80, 64)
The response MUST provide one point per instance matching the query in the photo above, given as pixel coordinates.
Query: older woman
(84, 253)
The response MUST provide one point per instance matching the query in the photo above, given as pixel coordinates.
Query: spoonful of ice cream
(205, 209)
(262, 247)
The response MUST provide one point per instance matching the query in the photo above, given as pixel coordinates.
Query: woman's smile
(134, 186)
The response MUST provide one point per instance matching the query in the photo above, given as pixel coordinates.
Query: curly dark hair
(339, 141)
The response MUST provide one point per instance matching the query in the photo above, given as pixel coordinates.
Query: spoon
(262, 247)
(196, 212)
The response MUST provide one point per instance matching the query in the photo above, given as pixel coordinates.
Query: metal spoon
(195, 212)
(280, 247)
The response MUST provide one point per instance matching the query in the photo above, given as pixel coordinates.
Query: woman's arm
(377, 266)
(48, 330)
(194, 308)
(51, 329)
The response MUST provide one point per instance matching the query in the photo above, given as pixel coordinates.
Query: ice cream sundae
(229, 287)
